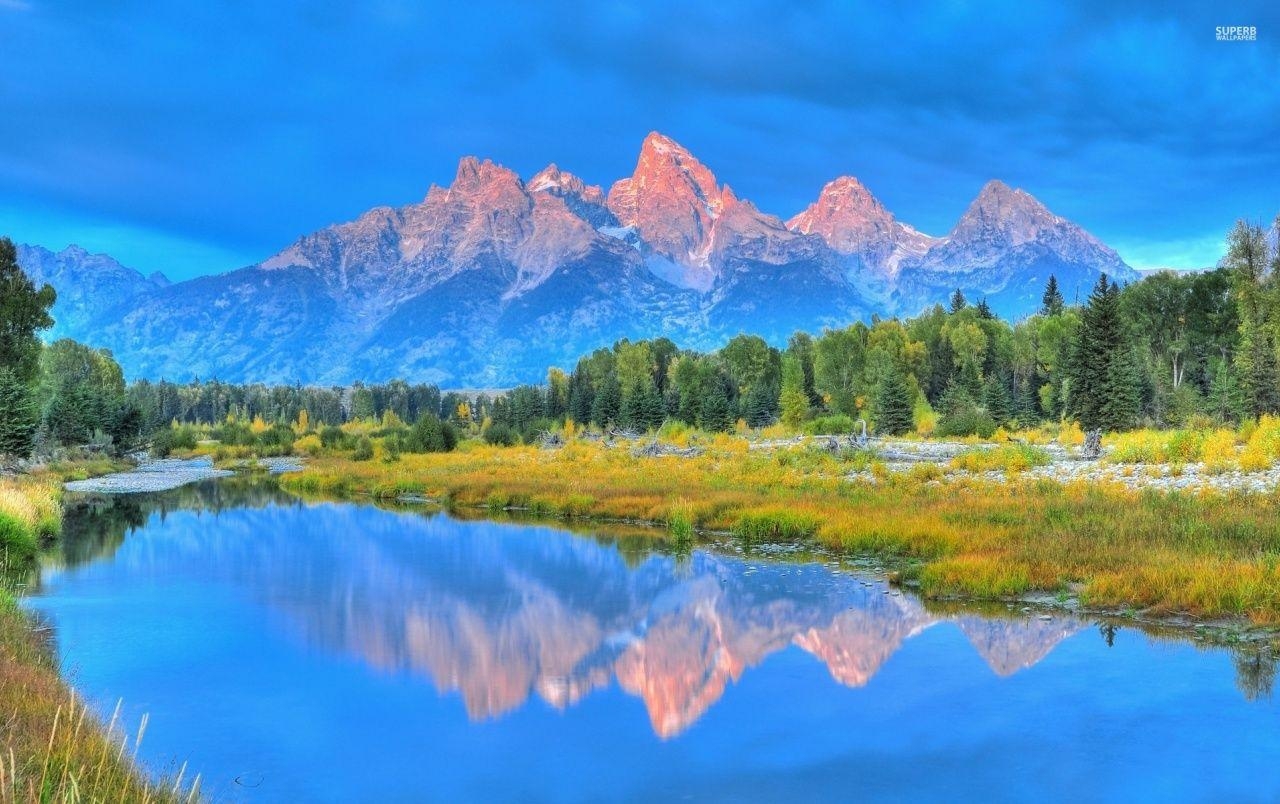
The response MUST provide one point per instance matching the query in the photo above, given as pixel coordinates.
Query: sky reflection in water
(344, 652)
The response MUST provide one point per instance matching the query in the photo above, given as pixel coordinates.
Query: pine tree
(1100, 343)
(758, 408)
(893, 405)
(984, 310)
(1120, 401)
(1052, 303)
(793, 400)
(1259, 377)
(1224, 395)
(607, 402)
(995, 398)
(715, 414)
(641, 408)
(19, 417)
(580, 397)
(958, 301)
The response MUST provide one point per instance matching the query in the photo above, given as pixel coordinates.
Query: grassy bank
(1206, 554)
(51, 747)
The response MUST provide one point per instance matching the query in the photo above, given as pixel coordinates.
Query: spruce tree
(995, 398)
(1052, 302)
(758, 408)
(1120, 400)
(893, 404)
(1100, 343)
(580, 397)
(958, 301)
(715, 414)
(608, 399)
(642, 408)
(984, 310)
(19, 417)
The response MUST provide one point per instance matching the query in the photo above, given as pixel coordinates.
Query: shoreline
(1164, 552)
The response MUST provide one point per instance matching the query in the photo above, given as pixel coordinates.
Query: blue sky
(193, 140)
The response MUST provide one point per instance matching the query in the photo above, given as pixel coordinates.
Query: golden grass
(51, 748)
(978, 539)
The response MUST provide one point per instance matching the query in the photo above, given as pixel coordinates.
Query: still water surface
(343, 652)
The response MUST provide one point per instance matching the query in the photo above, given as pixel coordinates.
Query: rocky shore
(169, 473)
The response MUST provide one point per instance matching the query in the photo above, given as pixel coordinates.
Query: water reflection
(499, 613)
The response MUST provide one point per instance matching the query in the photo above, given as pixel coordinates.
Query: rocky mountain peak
(1001, 210)
(587, 201)
(846, 215)
(853, 222)
(672, 199)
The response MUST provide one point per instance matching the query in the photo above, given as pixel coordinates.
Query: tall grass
(51, 746)
(980, 539)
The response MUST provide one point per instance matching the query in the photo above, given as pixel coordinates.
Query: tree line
(1158, 352)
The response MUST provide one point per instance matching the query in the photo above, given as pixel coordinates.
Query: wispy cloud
(15, 5)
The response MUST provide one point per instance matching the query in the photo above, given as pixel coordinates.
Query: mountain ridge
(491, 279)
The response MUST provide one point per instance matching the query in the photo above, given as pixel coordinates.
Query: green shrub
(500, 435)
(431, 434)
(363, 450)
(830, 425)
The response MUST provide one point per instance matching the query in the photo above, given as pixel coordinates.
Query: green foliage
(894, 405)
(363, 450)
(24, 311)
(793, 400)
(431, 434)
(715, 415)
(501, 435)
(832, 425)
(19, 416)
(1051, 303)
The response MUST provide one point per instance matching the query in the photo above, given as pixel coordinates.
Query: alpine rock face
(1004, 247)
(87, 284)
(487, 282)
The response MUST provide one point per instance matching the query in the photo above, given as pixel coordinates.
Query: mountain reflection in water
(497, 613)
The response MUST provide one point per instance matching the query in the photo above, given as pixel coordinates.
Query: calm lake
(292, 651)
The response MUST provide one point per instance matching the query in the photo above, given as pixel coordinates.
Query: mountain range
(487, 282)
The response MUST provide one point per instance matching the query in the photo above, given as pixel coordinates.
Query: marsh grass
(51, 747)
(1206, 553)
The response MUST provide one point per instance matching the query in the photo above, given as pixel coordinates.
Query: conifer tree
(1100, 393)
(19, 416)
(715, 414)
(995, 398)
(606, 405)
(958, 301)
(1120, 400)
(758, 407)
(893, 404)
(984, 310)
(1052, 302)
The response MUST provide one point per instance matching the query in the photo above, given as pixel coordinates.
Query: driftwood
(1092, 448)
(656, 449)
(550, 440)
(624, 433)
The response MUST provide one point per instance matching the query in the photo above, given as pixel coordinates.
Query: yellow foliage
(1070, 434)
(258, 425)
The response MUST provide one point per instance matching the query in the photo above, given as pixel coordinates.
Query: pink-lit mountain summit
(488, 281)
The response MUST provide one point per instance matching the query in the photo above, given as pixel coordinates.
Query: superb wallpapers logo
(1237, 33)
